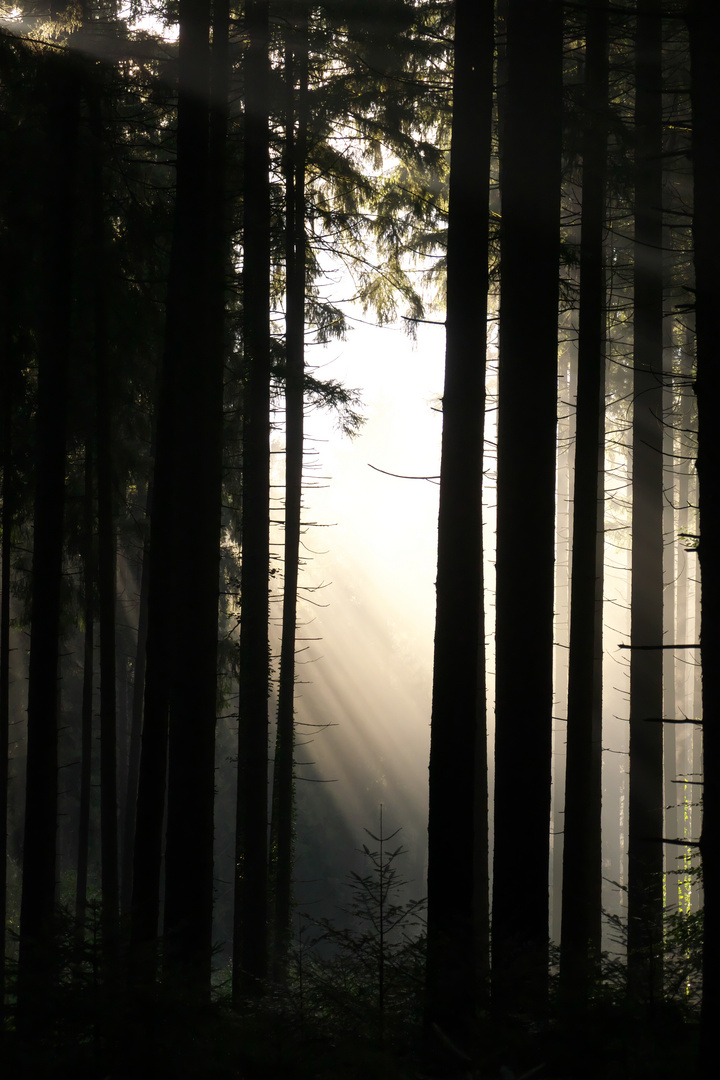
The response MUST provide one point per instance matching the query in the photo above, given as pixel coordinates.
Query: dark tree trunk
(150, 804)
(7, 391)
(194, 366)
(106, 565)
(456, 942)
(671, 827)
(704, 25)
(250, 921)
(281, 832)
(136, 725)
(177, 679)
(37, 952)
(645, 853)
(86, 719)
(530, 238)
(582, 850)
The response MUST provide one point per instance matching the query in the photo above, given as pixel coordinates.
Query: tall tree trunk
(670, 581)
(86, 721)
(527, 379)
(250, 919)
(645, 853)
(704, 26)
(456, 944)
(176, 598)
(136, 725)
(37, 951)
(582, 851)
(106, 567)
(150, 804)
(281, 832)
(7, 392)
(194, 367)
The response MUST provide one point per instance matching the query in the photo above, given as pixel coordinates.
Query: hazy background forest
(358, 414)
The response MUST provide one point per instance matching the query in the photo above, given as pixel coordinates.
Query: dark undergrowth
(349, 1008)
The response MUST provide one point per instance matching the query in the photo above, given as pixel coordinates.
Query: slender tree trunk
(150, 804)
(7, 390)
(671, 827)
(136, 725)
(106, 567)
(250, 920)
(704, 26)
(567, 389)
(645, 853)
(530, 239)
(37, 951)
(83, 838)
(281, 833)
(582, 852)
(458, 776)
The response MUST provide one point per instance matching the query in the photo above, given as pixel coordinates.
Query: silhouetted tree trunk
(7, 391)
(106, 565)
(194, 364)
(582, 850)
(250, 919)
(37, 951)
(704, 26)
(136, 724)
(456, 944)
(86, 714)
(281, 833)
(177, 680)
(150, 804)
(671, 827)
(530, 238)
(645, 852)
